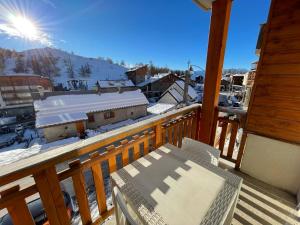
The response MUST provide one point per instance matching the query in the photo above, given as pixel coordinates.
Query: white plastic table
(173, 186)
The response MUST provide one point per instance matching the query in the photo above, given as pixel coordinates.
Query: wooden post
(52, 198)
(241, 151)
(158, 136)
(214, 65)
(99, 184)
(79, 188)
(18, 211)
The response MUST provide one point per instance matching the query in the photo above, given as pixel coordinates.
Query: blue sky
(163, 31)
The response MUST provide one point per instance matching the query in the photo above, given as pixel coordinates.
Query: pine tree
(122, 63)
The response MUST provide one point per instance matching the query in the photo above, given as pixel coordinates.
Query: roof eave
(204, 4)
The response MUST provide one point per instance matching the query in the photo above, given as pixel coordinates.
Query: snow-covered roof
(153, 79)
(63, 109)
(160, 108)
(176, 95)
(136, 68)
(192, 93)
(115, 83)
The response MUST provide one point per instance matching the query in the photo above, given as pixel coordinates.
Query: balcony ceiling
(204, 4)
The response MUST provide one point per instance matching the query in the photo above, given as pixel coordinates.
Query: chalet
(105, 86)
(18, 91)
(64, 116)
(137, 74)
(174, 94)
(155, 86)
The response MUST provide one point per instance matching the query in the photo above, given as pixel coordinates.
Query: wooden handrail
(118, 142)
(35, 163)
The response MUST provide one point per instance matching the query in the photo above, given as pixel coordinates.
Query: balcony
(45, 174)
(261, 146)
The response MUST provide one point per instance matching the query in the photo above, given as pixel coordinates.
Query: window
(109, 114)
(131, 113)
(91, 118)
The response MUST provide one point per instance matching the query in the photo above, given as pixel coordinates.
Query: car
(38, 213)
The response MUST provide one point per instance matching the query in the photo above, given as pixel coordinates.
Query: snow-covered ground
(100, 69)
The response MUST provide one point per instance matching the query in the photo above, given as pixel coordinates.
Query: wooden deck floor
(258, 203)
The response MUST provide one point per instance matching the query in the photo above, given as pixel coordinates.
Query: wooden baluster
(112, 159)
(146, 142)
(180, 134)
(198, 121)
(136, 147)
(241, 151)
(194, 126)
(190, 126)
(158, 136)
(125, 153)
(175, 134)
(234, 130)
(99, 184)
(223, 136)
(169, 130)
(79, 188)
(164, 134)
(18, 210)
(52, 198)
(185, 126)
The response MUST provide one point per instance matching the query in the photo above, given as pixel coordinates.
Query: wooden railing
(232, 137)
(127, 143)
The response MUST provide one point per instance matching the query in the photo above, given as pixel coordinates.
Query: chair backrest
(122, 214)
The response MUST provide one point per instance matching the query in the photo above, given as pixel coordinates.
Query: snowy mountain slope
(100, 69)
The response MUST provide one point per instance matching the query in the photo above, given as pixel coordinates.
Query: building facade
(61, 116)
(156, 85)
(137, 74)
(17, 92)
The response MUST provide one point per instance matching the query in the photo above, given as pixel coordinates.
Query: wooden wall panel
(274, 109)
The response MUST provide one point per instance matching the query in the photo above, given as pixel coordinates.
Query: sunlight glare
(25, 27)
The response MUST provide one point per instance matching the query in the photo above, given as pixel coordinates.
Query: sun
(25, 27)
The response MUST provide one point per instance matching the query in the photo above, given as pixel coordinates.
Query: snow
(115, 83)
(7, 137)
(197, 73)
(16, 151)
(153, 79)
(7, 120)
(160, 108)
(176, 95)
(67, 108)
(63, 118)
(100, 68)
(192, 93)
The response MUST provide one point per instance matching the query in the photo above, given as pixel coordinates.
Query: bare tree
(70, 67)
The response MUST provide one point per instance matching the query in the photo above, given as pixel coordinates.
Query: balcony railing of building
(117, 148)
